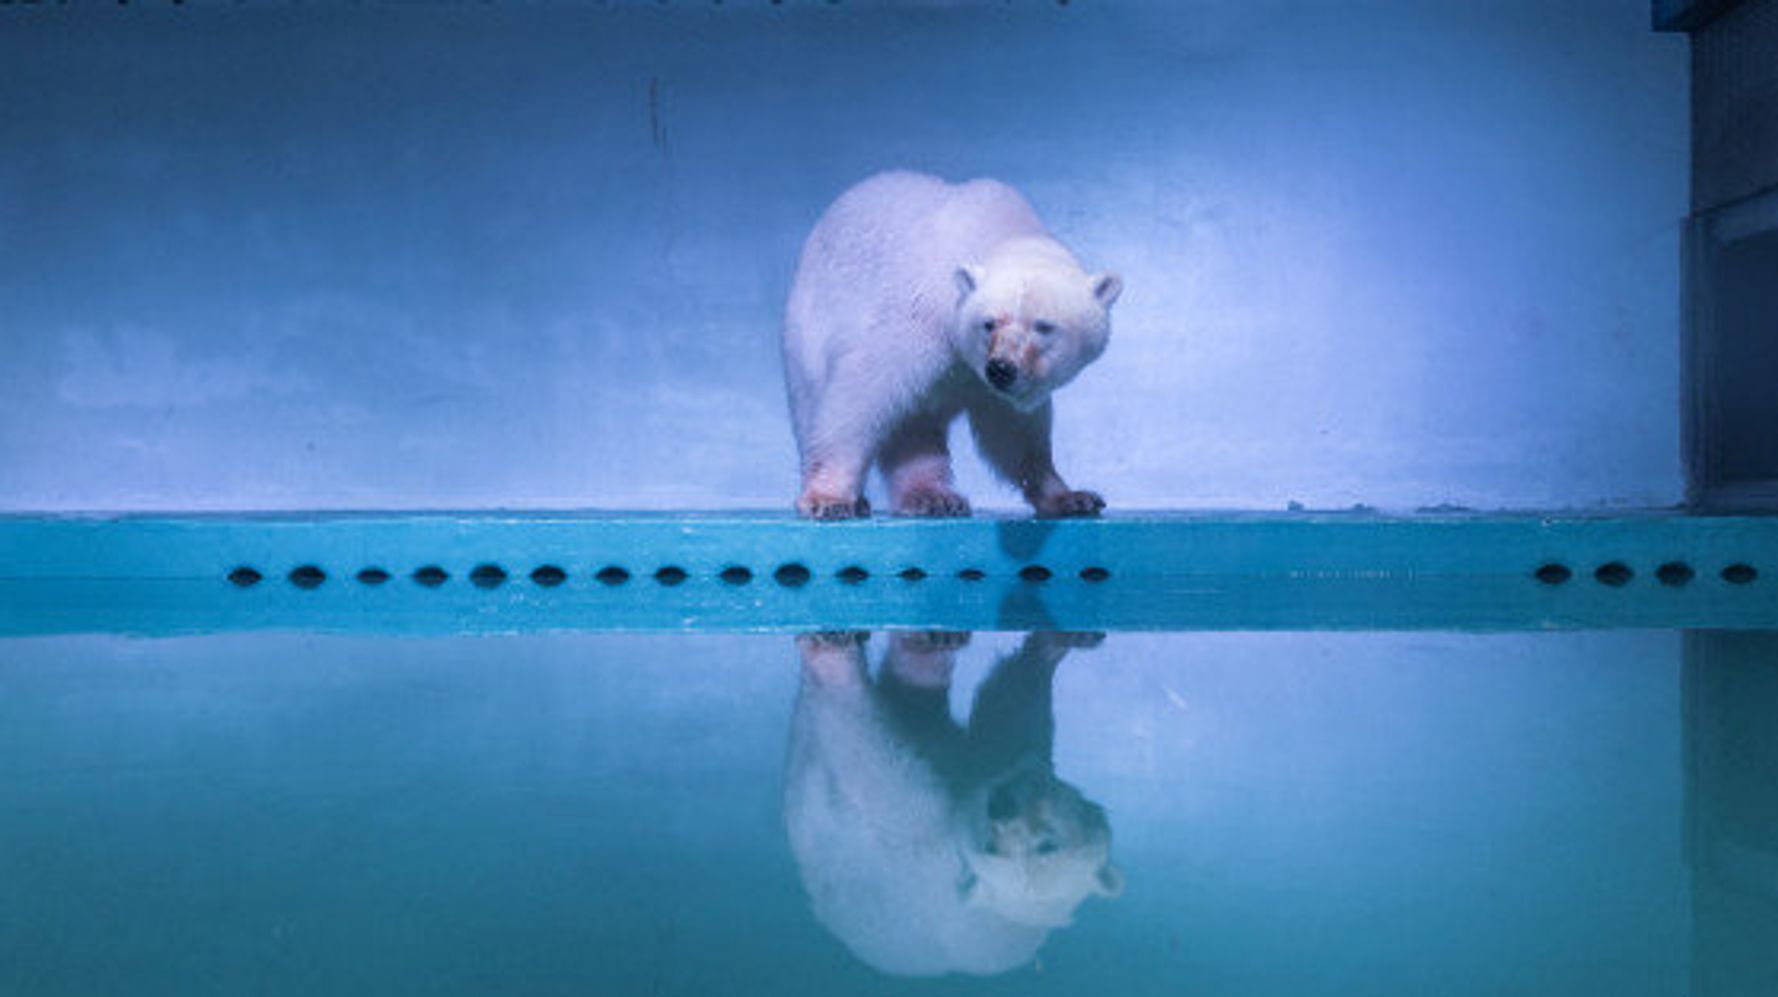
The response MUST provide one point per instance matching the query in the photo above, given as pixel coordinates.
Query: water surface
(1205, 813)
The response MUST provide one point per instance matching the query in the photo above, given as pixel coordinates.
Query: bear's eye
(1044, 328)
(987, 325)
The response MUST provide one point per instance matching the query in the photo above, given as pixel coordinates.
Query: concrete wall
(1732, 354)
(1735, 104)
(1395, 253)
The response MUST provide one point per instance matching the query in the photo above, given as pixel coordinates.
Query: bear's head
(1035, 848)
(1029, 319)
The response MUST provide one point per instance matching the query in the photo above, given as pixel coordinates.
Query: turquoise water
(1204, 813)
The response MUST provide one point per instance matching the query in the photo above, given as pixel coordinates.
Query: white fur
(874, 833)
(884, 343)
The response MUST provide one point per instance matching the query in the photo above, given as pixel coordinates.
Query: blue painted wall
(1395, 253)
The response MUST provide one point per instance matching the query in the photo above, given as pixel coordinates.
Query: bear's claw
(1070, 639)
(1070, 504)
(932, 640)
(833, 638)
(827, 507)
(935, 502)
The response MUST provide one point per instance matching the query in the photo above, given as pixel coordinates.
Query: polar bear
(914, 301)
(926, 848)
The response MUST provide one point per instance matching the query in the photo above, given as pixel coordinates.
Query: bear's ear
(968, 279)
(1110, 880)
(1106, 288)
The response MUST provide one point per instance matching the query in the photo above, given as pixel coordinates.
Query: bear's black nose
(1001, 374)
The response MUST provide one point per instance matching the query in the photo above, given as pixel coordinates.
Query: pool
(1198, 754)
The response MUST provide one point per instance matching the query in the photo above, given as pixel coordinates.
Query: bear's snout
(1001, 374)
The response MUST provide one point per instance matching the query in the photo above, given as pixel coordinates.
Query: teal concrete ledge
(495, 572)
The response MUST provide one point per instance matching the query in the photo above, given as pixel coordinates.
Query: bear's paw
(932, 501)
(1066, 505)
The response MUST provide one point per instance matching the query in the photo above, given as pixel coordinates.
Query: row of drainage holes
(488, 576)
(1673, 574)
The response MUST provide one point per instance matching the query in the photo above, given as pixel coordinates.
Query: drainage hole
(1617, 574)
(792, 575)
(548, 575)
(1739, 573)
(1675, 573)
(373, 576)
(1034, 573)
(611, 574)
(487, 576)
(1094, 574)
(972, 574)
(853, 574)
(736, 575)
(244, 576)
(307, 577)
(670, 575)
(910, 574)
(1553, 573)
(432, 576)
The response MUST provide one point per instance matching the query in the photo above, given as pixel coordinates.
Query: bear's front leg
(832, 490)
(924, 659)
(833, 478)
(1017, 445)
(843, 436)
(834, 657)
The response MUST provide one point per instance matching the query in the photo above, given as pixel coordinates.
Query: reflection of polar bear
(914, 302)
(924, 847)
